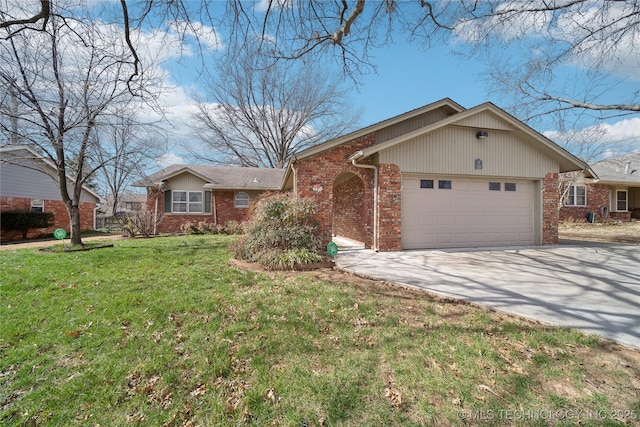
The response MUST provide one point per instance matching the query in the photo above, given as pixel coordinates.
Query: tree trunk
(74, 224)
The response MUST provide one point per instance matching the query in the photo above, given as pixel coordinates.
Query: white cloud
(611, 38)
(264, 5)
(602, 140)
(168, 159)
(200, 32)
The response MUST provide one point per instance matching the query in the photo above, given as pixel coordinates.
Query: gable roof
(445, 104)
(624, 170)
(456, 113)
(567, 161)
(220, 177)
(18, 154)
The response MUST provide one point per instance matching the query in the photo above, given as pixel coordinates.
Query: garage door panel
(467, 215)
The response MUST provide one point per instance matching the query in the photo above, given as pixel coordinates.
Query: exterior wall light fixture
(482, 134)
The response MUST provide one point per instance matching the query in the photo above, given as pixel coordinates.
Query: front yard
(621, 232)
(165, 332)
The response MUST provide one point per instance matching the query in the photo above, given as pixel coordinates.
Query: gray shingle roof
(625, 169)
(221, 177)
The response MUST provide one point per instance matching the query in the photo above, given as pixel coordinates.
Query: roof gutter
(353, 158)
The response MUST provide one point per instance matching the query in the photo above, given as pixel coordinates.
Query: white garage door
(442, 212)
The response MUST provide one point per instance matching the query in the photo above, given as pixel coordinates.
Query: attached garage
(450, 212)
(440, 176)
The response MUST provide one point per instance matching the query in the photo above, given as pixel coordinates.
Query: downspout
(353, 159)
(95, 216)
(155, 215)
(215, 211)
(295, 178)
(159, 189)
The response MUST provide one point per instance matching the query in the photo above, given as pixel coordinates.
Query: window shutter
(207, 202)
(167, 200)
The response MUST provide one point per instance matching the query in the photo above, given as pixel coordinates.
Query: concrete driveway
(591, 286)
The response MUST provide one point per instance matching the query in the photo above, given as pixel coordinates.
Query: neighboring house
(29, 182)
(440, 176)
(615, 195)
(128, 206)
(211, 194)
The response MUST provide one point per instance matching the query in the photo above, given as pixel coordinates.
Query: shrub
(143, 223)
(207, 228)
(233, 227)
(189, 228)
(281, 233)
(24, 220)
(201, 227)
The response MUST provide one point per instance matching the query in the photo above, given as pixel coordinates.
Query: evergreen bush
(281, 233)
(24, 220)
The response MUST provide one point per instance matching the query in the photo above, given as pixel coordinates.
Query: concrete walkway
(591, 286)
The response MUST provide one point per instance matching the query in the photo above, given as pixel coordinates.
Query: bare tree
(573, 56)
(575, 64)
(260, 113)
(596, 34)
(560, 59)
(62, 79)
(125, 147)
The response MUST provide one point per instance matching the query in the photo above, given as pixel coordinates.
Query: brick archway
(350, 213)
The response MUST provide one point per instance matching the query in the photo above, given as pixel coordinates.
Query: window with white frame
(576, 195)
(186, 202)
(37, 205)
(621, 200)
(242, 200)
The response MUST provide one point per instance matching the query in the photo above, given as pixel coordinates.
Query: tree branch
(45, 11)
(346, 28)
(590, 106)
(127, 37)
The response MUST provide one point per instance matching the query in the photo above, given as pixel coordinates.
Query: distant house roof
(624, 170)
(123, 201)
(220, 177)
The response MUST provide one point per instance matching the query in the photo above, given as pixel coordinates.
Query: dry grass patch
(611, 231)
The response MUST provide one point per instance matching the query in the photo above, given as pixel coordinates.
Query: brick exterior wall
(598, 195)
(226, 210)
(389, 208)
(57, 207)
(550, 209)
(316, 176)
(222, 209)
(351, 217)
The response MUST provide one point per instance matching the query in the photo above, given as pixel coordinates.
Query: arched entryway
(351, 214)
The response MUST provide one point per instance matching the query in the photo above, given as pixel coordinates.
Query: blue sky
(407, 77)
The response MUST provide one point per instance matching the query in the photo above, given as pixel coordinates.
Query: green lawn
(165, 332)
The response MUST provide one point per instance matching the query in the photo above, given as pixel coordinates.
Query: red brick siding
(223, 211)
(316, 176)
(351, 217)
(550, 209)
(225, 206)
(389, 208)
(57, 207)
(597, 196)
(620, 216)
